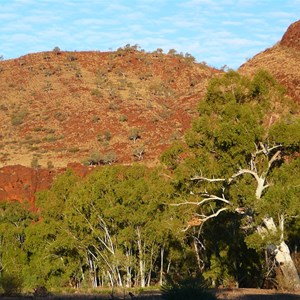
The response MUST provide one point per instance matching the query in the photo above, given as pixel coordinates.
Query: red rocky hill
(281, 60)
(58, 108)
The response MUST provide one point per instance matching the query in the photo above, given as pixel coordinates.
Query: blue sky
(218, 32)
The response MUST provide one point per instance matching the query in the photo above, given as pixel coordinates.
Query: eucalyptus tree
(243, 159)
(54, 257)
(117, 215)
(15, 218)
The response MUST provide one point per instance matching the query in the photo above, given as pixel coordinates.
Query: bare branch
(184, 203)
(265, 149)
(246, 171)
(201, 178)
(274, 147)
(207, 198)
(203, 218)
(275, 157)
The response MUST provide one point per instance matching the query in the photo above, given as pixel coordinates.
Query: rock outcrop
(291, 38)
(20, 183)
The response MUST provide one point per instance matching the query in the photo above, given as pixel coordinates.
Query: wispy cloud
(217, 31)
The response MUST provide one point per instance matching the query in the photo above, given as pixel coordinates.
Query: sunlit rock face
(291, 38)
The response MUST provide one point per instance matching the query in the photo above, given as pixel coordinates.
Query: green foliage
(96, 92)
(171, 157)
(18, 117)
(104, 136)
(123, 118)
(243, 159)
(15, 218)
(283, 196)
(56, 50)
(287, 133)
(134, 134)
(186, 289)
(96, 119)
(97, 158)
(97, 224)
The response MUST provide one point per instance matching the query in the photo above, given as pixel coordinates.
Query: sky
(219, 32)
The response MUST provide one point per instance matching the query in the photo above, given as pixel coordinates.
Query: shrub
(109, 158)
(96, 119)
(96, 93)
(18, 117)
(50, 165)
(139, 152)
(71, 57)
(60, 116)
(35, 163)
(123, 118)
(52, 138)
(73, 149)
(78, 74)
(104, 136)
(134, 134)
(186, 289)
(97, 158)
(11, 284)
(56, 50)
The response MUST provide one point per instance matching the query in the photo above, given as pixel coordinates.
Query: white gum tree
(245, 158)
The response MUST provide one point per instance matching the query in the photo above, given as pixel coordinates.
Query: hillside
(62, 107)
(281, 60)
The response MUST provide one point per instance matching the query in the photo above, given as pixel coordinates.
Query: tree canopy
(243, 158)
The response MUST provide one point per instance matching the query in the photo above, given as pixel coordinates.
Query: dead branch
(203, 218)
(201, 178)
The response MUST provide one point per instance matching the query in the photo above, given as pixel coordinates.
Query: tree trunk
(119, 278)
(287, 266)
(283, 256)
(128, 268)
(162, 250)
(197, 255)
(141, 260)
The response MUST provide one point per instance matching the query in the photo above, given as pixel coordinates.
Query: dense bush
(190, 288)
(11, 284)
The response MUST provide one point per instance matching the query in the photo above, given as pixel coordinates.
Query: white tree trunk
(283, 256)
(162, 251)
(287, 266)
(141, 260)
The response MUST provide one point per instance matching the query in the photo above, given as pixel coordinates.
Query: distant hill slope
(61, 107)
(281, 60)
